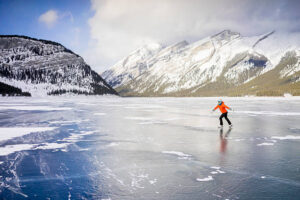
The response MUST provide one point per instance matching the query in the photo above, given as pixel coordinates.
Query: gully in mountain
(224, 112)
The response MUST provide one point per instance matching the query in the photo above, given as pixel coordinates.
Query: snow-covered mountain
(132, 66)
(41, 67)
(223, 64)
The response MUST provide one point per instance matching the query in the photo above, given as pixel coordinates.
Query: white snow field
(148, 148)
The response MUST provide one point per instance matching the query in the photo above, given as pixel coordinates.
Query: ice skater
(224, 112)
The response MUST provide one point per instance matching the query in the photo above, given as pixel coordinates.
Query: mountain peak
(149, 47)
(153, 46)
(145, 50)
(226, 35)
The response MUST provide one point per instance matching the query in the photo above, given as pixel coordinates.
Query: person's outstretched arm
(227, 107)
(215, 108)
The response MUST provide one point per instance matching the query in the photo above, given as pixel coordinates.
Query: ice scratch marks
(109, 174)
(140, 179)
(136, 180)
(146, 120)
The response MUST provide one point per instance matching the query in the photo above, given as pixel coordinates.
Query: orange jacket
(222, 107)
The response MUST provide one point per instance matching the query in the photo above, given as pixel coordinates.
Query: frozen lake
(148, 148)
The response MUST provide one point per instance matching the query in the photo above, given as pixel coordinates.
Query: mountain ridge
(43, 67)
(226, 58)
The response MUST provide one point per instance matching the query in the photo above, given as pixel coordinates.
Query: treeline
(96, 90)
(8, 90)
(44, 75)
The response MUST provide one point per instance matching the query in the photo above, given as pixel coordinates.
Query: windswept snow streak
(209, 178)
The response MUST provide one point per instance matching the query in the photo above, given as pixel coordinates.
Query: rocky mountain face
(223, 64)
(40, 67)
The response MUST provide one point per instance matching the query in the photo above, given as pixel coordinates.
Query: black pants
(224, 115)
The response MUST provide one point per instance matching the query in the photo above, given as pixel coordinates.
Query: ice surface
(149, 148)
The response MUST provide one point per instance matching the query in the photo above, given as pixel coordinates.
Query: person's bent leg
(220, 118)
(229, 122)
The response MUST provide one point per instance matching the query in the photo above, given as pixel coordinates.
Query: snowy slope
(43, 67)
(132, 66)
(226, 58)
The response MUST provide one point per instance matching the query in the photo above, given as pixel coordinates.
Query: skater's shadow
(223, 140)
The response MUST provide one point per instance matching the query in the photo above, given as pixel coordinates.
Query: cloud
(49, 18)
(120, 26)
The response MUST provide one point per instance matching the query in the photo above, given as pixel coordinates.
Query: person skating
(223, 108)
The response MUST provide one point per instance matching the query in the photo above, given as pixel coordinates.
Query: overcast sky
(105, 31)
